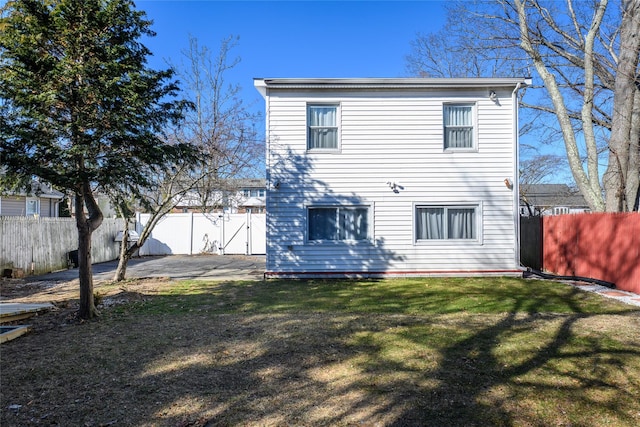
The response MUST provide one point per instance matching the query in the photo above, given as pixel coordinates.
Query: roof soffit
(389, 84)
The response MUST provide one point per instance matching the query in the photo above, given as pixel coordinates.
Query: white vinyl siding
(458, 120)
(390, 136)
(322, 127)
(13, 206)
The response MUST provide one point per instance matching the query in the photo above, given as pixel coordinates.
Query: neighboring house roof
(242, 183)
(253, 201)
(39, 189)
(549, 195)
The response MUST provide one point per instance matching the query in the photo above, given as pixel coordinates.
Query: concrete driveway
(205, 267)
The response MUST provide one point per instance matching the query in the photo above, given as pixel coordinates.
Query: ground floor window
(446, 223)
(327, 223)
(33, 206)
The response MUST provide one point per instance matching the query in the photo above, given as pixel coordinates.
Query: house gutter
(382, 83)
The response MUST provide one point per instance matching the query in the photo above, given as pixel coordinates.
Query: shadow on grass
(255, 354)
(418, 296)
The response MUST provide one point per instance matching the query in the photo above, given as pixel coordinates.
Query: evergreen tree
(79, 107)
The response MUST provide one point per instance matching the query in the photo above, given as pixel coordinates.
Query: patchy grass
(492, 351)
(419, 296)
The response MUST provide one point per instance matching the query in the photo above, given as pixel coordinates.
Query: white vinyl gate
(194, 233)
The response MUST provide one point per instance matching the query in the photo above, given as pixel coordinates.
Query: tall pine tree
(80, 108)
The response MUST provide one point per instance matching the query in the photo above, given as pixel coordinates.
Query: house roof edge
(391, 83)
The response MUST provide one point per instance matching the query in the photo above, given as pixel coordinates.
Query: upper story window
(459, 126)
(322, 123)
(340, 223)
(561, 210)
(254, 192)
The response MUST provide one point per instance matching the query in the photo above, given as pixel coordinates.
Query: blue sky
(295, 38)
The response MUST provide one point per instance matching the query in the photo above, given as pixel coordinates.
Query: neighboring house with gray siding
(41, 201)
(373, 177)
(550, 199)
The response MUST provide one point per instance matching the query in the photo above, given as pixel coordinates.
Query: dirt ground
(200, 367)
(62, 293)
(258, 370)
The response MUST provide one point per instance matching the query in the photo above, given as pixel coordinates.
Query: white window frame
(369, 216)
(561, 210)
(253, 192)
(477, 206)
(336, 105)
(474, 127)
(37, 203)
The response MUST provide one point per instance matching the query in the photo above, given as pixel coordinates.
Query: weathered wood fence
(41, 245)
(604, 246)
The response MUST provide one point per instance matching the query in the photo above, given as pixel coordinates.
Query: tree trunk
(588, 184)
(86, 225)
(124, 257)
(616, 177)
(127, 252)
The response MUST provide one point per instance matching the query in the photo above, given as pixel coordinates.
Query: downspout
(268, 198)
(516, 162)
(263, 87)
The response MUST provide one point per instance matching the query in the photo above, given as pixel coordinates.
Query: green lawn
(442, 352)
(415, 296)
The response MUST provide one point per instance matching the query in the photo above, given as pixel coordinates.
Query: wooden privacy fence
(41, 245)
(197, 233)
(604, 246)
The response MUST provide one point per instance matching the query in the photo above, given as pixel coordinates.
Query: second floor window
(458, 126)
(322, 121)
(253, 192)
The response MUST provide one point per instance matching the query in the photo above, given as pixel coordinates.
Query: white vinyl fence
(194, 233)
(42, 245)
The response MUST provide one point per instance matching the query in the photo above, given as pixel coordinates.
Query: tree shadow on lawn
(198, 366)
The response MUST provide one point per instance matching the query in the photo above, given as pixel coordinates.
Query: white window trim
(479, 240)
(370, 235)
(338, 125)
(561, 210)
(474, 140)
(26, 208)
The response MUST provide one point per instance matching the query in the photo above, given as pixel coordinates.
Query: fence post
(221, 242)
(191, 233)
(248, 234)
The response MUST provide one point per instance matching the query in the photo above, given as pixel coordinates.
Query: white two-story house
(374, 177)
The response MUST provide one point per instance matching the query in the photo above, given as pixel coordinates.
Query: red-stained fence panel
(602, 246)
